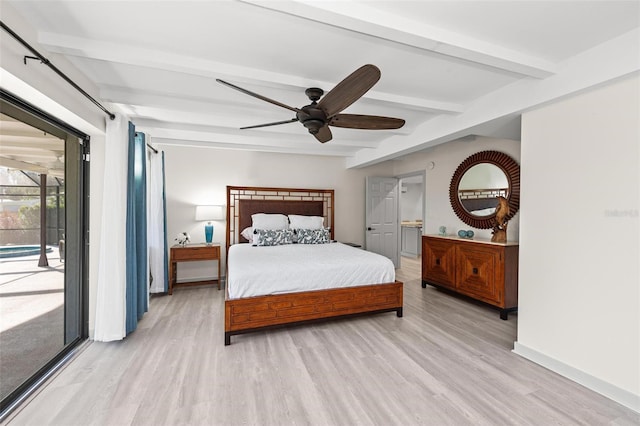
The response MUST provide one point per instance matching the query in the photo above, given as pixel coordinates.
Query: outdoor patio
(31, 316)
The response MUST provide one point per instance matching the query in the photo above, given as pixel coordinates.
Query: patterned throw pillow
(272, 237)
(313, 236)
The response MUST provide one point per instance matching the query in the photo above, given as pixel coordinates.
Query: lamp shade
(209, 212)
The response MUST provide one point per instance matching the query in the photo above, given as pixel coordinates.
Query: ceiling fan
(318, 116)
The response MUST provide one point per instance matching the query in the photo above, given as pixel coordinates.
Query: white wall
(579, 294)
(447, 157)
(200, 175)
(411, 202)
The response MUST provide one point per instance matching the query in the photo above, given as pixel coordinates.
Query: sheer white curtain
(155, 222)
(111, 295)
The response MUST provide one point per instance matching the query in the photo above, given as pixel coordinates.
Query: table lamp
(209, 213)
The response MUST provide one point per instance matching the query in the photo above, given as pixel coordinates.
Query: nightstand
(192, 253)
(352, 244)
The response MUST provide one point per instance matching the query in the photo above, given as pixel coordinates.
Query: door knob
(371, 229)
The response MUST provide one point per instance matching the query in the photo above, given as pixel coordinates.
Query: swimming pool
(17, 251)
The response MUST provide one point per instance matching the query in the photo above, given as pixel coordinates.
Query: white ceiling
(449, 68)
(24, 147)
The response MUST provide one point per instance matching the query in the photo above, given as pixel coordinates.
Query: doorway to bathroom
(412, 208)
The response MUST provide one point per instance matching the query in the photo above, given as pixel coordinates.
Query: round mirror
(479, 187)
(477, 183)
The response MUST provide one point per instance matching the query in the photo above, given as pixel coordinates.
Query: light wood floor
(446, 362)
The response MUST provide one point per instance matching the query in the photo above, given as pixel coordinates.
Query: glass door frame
(76, 277)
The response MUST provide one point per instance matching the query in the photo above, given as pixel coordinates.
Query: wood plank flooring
(446, 362)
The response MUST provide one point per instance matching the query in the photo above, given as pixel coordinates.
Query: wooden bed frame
(251, 314)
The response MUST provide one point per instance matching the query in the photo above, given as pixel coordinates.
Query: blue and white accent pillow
(313, 236)
(272, 237)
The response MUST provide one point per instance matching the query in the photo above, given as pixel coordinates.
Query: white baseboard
(619, 395)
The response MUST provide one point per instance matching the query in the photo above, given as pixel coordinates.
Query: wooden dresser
(479, 269)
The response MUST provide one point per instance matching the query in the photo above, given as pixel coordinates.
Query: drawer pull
(437, 261)
(475, 271)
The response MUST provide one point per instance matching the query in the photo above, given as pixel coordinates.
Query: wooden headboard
(243, 201)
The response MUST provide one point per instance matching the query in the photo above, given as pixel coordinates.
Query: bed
(262, 297)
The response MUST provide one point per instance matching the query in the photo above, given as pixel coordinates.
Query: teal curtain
(166, 245)
(136, 263)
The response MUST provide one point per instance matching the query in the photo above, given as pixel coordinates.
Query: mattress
(257, 271)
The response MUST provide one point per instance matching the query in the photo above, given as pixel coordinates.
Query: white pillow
(269, 221)
(248, 234)
(306, 222)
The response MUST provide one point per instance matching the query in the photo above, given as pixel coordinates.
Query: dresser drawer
(182, 254)
(438, 263)
(478, 273)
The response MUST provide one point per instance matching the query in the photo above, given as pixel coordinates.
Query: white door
(381, 217)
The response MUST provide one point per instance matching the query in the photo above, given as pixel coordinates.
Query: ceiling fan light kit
(318, 116)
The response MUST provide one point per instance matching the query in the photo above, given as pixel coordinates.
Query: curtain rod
(148, 144)
(53, 67)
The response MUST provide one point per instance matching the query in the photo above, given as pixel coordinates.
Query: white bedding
(291, 268)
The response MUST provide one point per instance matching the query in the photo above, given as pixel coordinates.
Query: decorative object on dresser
(464, 233)
(500, 222)
(183, 238)
(478, 182)
(294, 304)
(192, 253)
(209, 213)
(482, 270)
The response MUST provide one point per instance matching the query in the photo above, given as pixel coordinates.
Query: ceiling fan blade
(255, 95)
(270, 124)
(349, 90)
(371, 122)
(324, 134)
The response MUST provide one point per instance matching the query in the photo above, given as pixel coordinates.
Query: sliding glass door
(43, 245)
